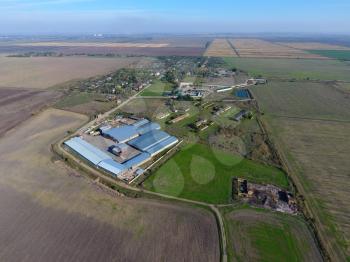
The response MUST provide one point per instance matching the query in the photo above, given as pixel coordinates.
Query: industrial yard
(121, 146)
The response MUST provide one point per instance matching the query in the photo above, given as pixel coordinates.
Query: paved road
(106, 114)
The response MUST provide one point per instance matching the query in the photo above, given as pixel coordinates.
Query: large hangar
(134, 145)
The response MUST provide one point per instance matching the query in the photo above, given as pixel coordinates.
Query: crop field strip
(312, 134)
(313, 46)
(86, 222)
(264, 49)
(256, 48)
(220, 48)
(296, 69)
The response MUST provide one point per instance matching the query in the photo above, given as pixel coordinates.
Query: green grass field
(77, 98)
(303, 99)
(199, 173)
(157, 89)
(292, 68)
(259, 235)
(343, 55)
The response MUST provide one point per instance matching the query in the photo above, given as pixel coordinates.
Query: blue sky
(180, 16)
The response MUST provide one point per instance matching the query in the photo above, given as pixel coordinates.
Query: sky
(174, 17)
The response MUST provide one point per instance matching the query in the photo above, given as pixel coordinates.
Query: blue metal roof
(149, 139)
(148, 127)
(121, 134)
(112, 167)
(140, 123)
(86, 150)
(157, 148)
(137, 160)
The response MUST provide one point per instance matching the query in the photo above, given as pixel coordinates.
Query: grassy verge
(77, 98)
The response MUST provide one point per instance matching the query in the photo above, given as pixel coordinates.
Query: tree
(170, 76)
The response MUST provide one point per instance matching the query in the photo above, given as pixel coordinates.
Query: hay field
(220, 48)
(314, 46)
(304, 100)
(264, 49)
(54, 214)
(310, 126)
(299, 69)
(44, 72)
(257, 235)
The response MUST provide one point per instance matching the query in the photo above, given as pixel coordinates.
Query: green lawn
(189, 79)
(292, 68)
(337, 54)
(199, 173)
(274, 243)
(157, 89)
(261, 235)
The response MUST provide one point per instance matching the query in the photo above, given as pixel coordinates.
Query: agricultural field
(317, 153)
(85, 220)
(343, 55)
(259, 235)
(17, 105)
(313, 46)
(44, 72)
(303, 100)
(310, 124)
(201, 173)
(263, 49)
(85, 103)
(145, 107)
(135, 47)
(298, 69)
(157, 89)
(220, 48)
(93, 44)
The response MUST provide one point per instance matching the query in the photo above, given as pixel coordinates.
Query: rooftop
(88, 151)
(121, 134)
(112, 167)
(148, 140)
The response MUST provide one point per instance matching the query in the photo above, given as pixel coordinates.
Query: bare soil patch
(17, 105)
(94, 44)
(43, 72)
(54, 214)
(171, 50)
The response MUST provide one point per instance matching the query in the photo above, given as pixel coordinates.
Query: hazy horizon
(180, 17)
